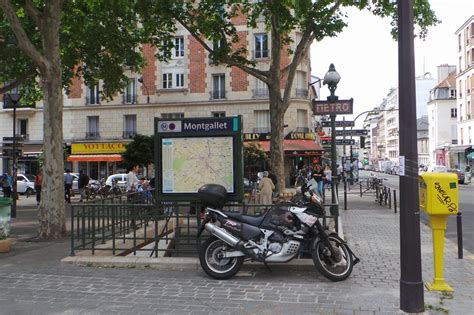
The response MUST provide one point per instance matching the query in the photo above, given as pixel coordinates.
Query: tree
(140, 151)
(211, 21)
(254, 155)
(43, 46)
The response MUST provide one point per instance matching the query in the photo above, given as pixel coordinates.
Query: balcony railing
(129, 98)
(217, 95)
(129, 134)
(92, 135)
(260, 93)
(92, 100)
(261, 130)
(302, 93)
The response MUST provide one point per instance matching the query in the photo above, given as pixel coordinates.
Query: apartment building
(190, 84)
(442, 118)
(422, 135)
(465, 99)
(391, 126)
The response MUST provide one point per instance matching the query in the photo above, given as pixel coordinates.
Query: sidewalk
(37, 282)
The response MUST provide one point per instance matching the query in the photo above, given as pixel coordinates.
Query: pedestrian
(318, 176)
(132, 179)
(83, 182)
(7, 184)
(266, 187)
(38, 184)
(328, 177)
(68, 180)
(467, 171)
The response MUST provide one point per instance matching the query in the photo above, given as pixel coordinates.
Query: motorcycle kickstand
(267, 266)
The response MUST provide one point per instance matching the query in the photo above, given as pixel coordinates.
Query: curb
(176, 264)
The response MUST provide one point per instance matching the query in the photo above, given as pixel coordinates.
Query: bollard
(380, 195)
(376, 193)
(389, 199)
(345, 194)
(459, 230)
(360, 185)
(394, 201)
(385, 195)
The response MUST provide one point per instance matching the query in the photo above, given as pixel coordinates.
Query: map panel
(189, 163)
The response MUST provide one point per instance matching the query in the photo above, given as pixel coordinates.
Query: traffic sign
(340, 107)
(339, 142)
(339, 123)
(353, 132)
(10, 139)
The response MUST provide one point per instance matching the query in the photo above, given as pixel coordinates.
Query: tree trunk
(51, 214)
(277, 114)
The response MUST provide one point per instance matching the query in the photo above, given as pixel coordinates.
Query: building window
(218, 114)
(130, 93)
(459, 42)
(302, 120)
(462, 135)
(92, 127)
(460, 112)
(218, 86)
(167, 80)
(262, 121)
(261, 46)
(172, 115)
(261, 89)
(469, 134)
(301, 84)
(179, 80)
(92, 94)
(22, 128)
(179, 47)
(460, 89)
(460, 68)
(468, 110)
(129, 126)
(452, 93)
(454, 112)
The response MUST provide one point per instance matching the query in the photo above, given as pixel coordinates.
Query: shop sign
(97, 148)
(301, 136)
(256, 136)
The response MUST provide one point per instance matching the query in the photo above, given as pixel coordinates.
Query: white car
(25, 184)
(121, 180)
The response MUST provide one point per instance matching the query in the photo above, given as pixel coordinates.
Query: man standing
(38, 185)
(467, 171)
(68, 179)
(83, 181)
(132, 179)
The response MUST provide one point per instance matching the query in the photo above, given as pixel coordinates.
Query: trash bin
(5, 214)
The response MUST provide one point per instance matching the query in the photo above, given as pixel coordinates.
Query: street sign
(339, 142)
(353, 132)
(10, 139)
(339, 124)
(340, 107)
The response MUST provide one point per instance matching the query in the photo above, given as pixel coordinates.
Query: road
(466, 206)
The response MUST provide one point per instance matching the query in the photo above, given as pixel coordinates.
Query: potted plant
(5, 243)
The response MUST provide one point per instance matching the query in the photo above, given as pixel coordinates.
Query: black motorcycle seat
(252, 220)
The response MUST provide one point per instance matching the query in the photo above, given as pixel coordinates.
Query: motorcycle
(276, 236)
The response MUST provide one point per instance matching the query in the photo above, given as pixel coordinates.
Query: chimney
(444, 71)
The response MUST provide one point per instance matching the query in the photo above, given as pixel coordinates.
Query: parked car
(121, 180)
(25, 184)
(437, 168)
(461, 175)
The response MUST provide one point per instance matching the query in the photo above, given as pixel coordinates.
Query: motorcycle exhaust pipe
(222, 234)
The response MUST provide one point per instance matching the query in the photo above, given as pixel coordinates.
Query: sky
(366, 56)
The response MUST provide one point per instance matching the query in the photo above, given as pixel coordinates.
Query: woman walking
(38, 184)
(266, 187)
(318, 175)
(328, 176)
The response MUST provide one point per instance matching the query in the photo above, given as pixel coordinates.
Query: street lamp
(140, 79)
(331, 79)
(14, 98)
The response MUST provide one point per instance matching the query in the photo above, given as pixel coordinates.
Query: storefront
(301, 149)
(98, 160)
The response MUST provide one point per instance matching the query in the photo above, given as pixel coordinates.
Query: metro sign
(340, 107)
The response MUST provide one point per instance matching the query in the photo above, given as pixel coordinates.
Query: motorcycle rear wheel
(213, 265)
(332, 268)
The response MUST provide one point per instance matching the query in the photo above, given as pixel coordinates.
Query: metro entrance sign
(352, 132)
(340, 107)
(339, 123)
(338, 141)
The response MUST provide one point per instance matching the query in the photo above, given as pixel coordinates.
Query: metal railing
(92, 135)
(301, 93)
(132, 224)
(260, 93)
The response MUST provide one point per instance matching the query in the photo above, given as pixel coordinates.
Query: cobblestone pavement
(34, 282)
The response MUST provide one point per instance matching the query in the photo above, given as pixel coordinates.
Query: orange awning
(291, 146)
(95, 158)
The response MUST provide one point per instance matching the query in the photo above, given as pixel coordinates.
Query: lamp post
(140, 79)
(14, 98)
(332, 78)
(411, 282)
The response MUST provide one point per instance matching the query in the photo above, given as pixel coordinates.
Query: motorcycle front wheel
(335, 267)
(210, 257)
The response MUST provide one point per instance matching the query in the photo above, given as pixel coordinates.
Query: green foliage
(254, 154)
(99, 40)
(66, 154)
(139, 151)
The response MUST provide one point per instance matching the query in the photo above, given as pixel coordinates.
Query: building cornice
(464, 25)
(460, 74)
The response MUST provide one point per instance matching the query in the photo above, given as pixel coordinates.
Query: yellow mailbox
(439, 198)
